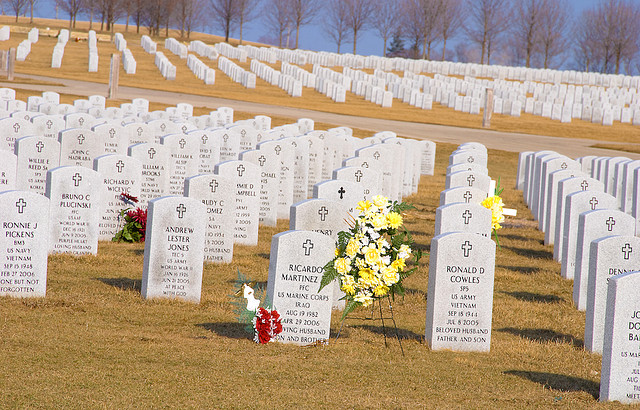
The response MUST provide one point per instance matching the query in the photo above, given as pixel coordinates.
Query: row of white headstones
(233, 195)
(588, 209)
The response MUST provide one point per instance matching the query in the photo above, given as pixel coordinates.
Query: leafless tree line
(533, 33)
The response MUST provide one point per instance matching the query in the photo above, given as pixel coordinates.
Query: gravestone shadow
(530, 253)
(123, 283)
(544, 336)
(559, 382)
(232, 330)
(525, 270)
(390, 331)
(534, 297)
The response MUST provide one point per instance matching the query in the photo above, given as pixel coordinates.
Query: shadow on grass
(534, 297)
(410, 291)
(526, 270)
(531, 253)
(389, 330)
(514, 237)
(266, 256)
(232, 330)
(559, 382)
(139, 252)
(123, 283)
(544, 336)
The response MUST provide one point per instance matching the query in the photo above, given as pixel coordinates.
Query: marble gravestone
(184, 159)
(174, 249)
(619, 378)
(269, 165)
(550, 204)
(35, 156)
(593, 225)
(468, 195)
(24, 235)
(296, 267)
(155, 170)
(428, 157)
(347, 193)
(74, 209)
(460, 292)
(468, 179)
(610, 255)
(8, 169)
(565, 188)
(576, 204)
(246, 177)
(284, 153)
(218, 194)
(324, 216)
(369, 179)
(463, 217)
(12, 129)
(79, 147)
(120, 173)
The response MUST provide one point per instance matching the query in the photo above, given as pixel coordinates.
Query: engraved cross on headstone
(112, 132)
(358, 175)
(181, 209)
(323, 213)
(81, 120)
(341, 191)
(182, 143)
(365, 165)
(214, 185)
(262, 160)
(466, 248)
(151, 152)
(470, 160)
(564, 165)
(76, 179)
(467, 196)
(307, 245)
(16, 127)
(119, 166)
(39, 146)
(204, 138)
(20, 205)
(81, 139)
(610, 223)
(584, 185)
(376, 155)
(240, 170)
(278, 148)
(594, 203)
(225, 137)
(466, 216)
(49, 124)
(140, 131)
(471, 179)
(626, 250)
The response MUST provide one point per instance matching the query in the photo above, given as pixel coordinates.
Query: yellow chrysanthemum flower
(366, 275)
(380, 290)
(380, 201)
(371, 255)
(363, 298)
(389, 275)
(495, 205)
(363, 206)
(379, 221)
(394, 220)
(348, 285)
(341, 265)
(352, 248)
(398, 264)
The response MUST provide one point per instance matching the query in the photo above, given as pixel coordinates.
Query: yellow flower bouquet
(371, 257)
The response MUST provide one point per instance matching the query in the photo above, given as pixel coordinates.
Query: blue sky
(312, 37)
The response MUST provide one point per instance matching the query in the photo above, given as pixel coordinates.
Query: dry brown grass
(75, 65)
(94, 342)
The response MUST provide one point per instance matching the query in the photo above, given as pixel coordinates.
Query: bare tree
(187, 15)
(488, 20)
(431, 11)
(17, 6)
(138, 12)
(553, 25)
(335, 23)
(247, 11)
(301, 13)
(525, 27)
(110, 11)
(277, 18)
(224, 13)
(412, 25)
(72, 7)
(358, 17)
(608, 35)
(168, 7)
(32, 4)
(452, 17)
(385, 20)
(152, 16)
